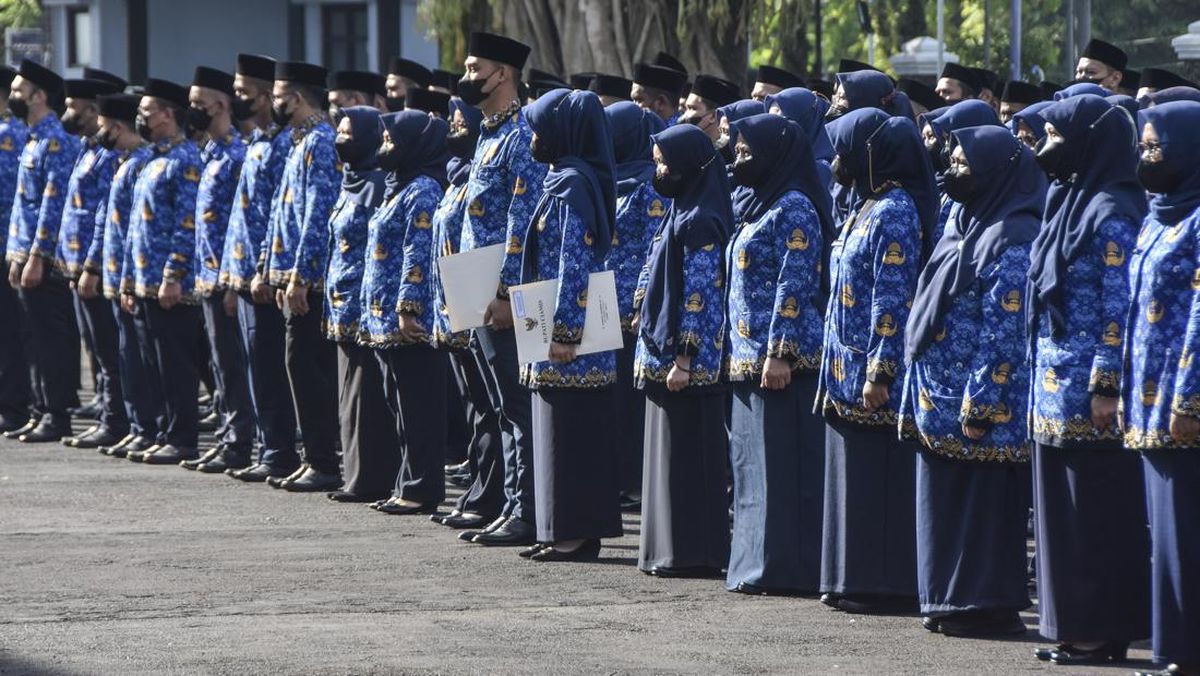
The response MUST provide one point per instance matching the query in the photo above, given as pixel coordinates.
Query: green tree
(20, 13)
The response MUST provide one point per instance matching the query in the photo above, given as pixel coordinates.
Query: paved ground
(110, 567)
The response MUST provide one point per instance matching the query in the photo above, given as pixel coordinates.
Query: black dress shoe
(469, 535)
(44, 432)
(169, 454)
(224, 463)
(933, 623)
(9, 423)
(210, 454)
(277, 480)
(589, 550)
(877, 604)
(312, 481)
(983, 624)
(749, 589)
(73, 439)
(345, 496)
(108, 448)
(1171, 670)
(401, 509)
(89, 410)
(1111, 651)
(513, 533)
(136, 444)
(467, 520)
(1044, 654)
(458, 468)
(696, 572)
(830, 599)
(532, 549)
(259, 473)
(138, 456)
(27, 427)
(101, 437)
(209, 423)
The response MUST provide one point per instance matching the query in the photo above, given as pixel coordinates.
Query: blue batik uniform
(343, 281)
(874, 262)
(296, 248)
(161, 242)
(87, 194)
(639, 215)
(418, 202)
(502, 191)
(1085, 360)
(46, 164)
(250, 211)
(447, 234)
(107, 250)
(945, 205)
(566, 252)
(13, 134)
(1162, 377)
(974, 372)
(774, 287)
(222, 158)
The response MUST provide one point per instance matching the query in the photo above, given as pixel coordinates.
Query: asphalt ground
(107, 567)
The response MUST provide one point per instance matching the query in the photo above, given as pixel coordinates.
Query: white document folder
(533, 317)
(469, 282)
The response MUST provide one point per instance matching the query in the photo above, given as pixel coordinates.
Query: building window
(344, 39)
(79, 36)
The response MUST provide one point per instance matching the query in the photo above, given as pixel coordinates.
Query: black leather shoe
(101, 437)
(466, 520)
(877, 604)
(469, 535)
(138, 456)
(983, 624)
(224, 463)
(260, 473)
(514, 533)
(209, 422)
(749, 589)
(136, 444)
(88, 410)
(277, 480)
(169, 454)
(72, 439)
(27, 427)
(346, 496)
(698, 572)
(830, 599)
(1171, 670)
(313, 480)
(459, 468)
(589, 550)
(210, 454)
(532, 549)
(1112, 651)
(395, 507)
(933, 623)
(9, 423)
(631, 503)
(1044, 654)
(44, 432)
(107, 449)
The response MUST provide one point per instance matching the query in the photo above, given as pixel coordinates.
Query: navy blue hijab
(969, 113)
(1031, 115)
(571, 125)
(1079, 89)
(1178, 127)
(1171, 94)
(873, 89)
(880, 149)
(1129, 103)
(362, 181)
(1104, 143)
(631, 128)
(739, 110)
(784, 149)
(700, 215)
(458, 169)
(420, 142)
(1006, 212)
(807, 110)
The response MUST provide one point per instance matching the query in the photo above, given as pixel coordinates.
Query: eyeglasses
(1151, 151)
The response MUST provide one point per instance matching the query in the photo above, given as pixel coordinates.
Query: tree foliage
(20, 13)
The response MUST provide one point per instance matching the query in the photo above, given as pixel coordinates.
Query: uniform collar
(495, 120)
(300, 131)
(44, 126)
(166, 144)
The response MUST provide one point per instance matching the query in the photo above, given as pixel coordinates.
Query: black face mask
(142, 125)
(280, 115)
(959, 185)
(747, 171)
(198, 120)
(461, 146)
(1091, 80)
(394, 104)
(1054, 159)
(693, 120)
(106, 141)
(939, 157)
(471, 91)
(667, 185)
(72, 125)
(541, 151)
(1159, 177)
(841, 173)
(242, 109)
(834, 113)
(728, 154)
(19, 108)
(388, 158)
(348, 153)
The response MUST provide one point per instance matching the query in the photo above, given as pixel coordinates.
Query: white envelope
(469, 282)
(533, 317)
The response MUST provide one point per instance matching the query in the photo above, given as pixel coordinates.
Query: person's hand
(411, 329)
(562, 353)
(1184, 429)
(1104, 409)
(14, 275)
(777, 374)
(31, 276)
(635, 322)
(260, 291)
(88, 285)
(498, 315)
(296, 298)
(680, 375)
(229, 302)
(875, 395)
(128, 303)
(973, 433)
(169, 294)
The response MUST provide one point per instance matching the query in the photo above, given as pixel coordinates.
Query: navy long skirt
(631, 411)
(1173, 497)
(370, 448)
(869, 536)
(777, 452)
(414, 379)
(971, 522)
(685, 514)
(1093, 550)
(575, 465)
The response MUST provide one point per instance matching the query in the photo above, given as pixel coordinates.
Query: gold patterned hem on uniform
(1105, 381)
(410, 307)
(1189, 406)
(453, 341)
(955, 448)
(341, 333)
(146, 293)
(1149, 440)
(877, 367)
(236, 283)
(1075, 430)
(750, 369)
(700, 376)
(204, 288)
(279, 278)
(18, 257)
(385, 341)
(857, 414)
(550, 377)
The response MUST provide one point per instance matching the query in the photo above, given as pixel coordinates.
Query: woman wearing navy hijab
(681, 330)
(726, 117)
(570, 233)
(398, 305)
(777, 443)
(807, 110)
(868, 555)
(368, 441)
(640, 211)
(966, 388)
(936, 130)
(1089, 499)
(1028, 125)
(482, 500)
(1161, 394)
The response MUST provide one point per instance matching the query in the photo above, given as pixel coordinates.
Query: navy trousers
(14, 370)
(312, 372)
(173, 333)
(485, 457)
(510, 400)
(228, 358)
(414, 377)
(263, 341)
(51, 343)
(138, 370)
(100, 326)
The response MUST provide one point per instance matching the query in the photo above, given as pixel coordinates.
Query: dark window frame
(73, 11)
(345, 35)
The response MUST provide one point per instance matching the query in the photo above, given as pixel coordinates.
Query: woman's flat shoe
(588, 551)
(1112, 651)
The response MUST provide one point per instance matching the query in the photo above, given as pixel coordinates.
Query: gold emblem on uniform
(475, 208)
(581, 299)
(923, 400)
(112, 265)
(838, 369)
(6, 144)
(277, 245)
(423, 221)
(743, 328)
(588, 238)
(188, 222)
(191, 174)
(1012, 301)
(519, 186)
(77, 201)
(847, 295)
(147, 214)
(694, 303)
(53, 146)
(73, 244)
(1001, 373)
(287, 196)
(1155, 312)
(239, 251)
(743, 259)
(1002, 415)
(1149, 393)
(656, 209)
(514, 245)
(1050, 381)
(886, 326)
(380, 253)
(376, 308)
(212, 263)
(1112, 335)
(209, 216)
(343, 245)
(1114, 255)
(797, 241)
(415, 276)
(894, 254)
(140, 261)
(941, 335)
(790, 309)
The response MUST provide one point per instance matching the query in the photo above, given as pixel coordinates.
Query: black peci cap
(582, 80)
(987, 79)
(121, 107)
(88, 89)
(256, 66)
(167, 91)
(719, 91)
(498, 48)
(410, 69)
(1157, 78)
(211, 78)
(7, 75)
(667, 61)
(1131, 79)
(611, 85)
(964, 75)
(427, 100)
(41, 76)
(358, 81)
(1016, 91)
(778, 77)
(920, 93)
(537, 75)
(301, 73)
(660, 77)
(852, 66)
(90, 73)
(822, 87)
(1049, 89)
(445, 79)
(1106, 53)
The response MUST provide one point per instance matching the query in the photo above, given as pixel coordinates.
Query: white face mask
(722, 141)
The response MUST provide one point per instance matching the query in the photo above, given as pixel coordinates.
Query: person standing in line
(14, 370)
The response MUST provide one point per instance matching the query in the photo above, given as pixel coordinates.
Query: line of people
(891, 317)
